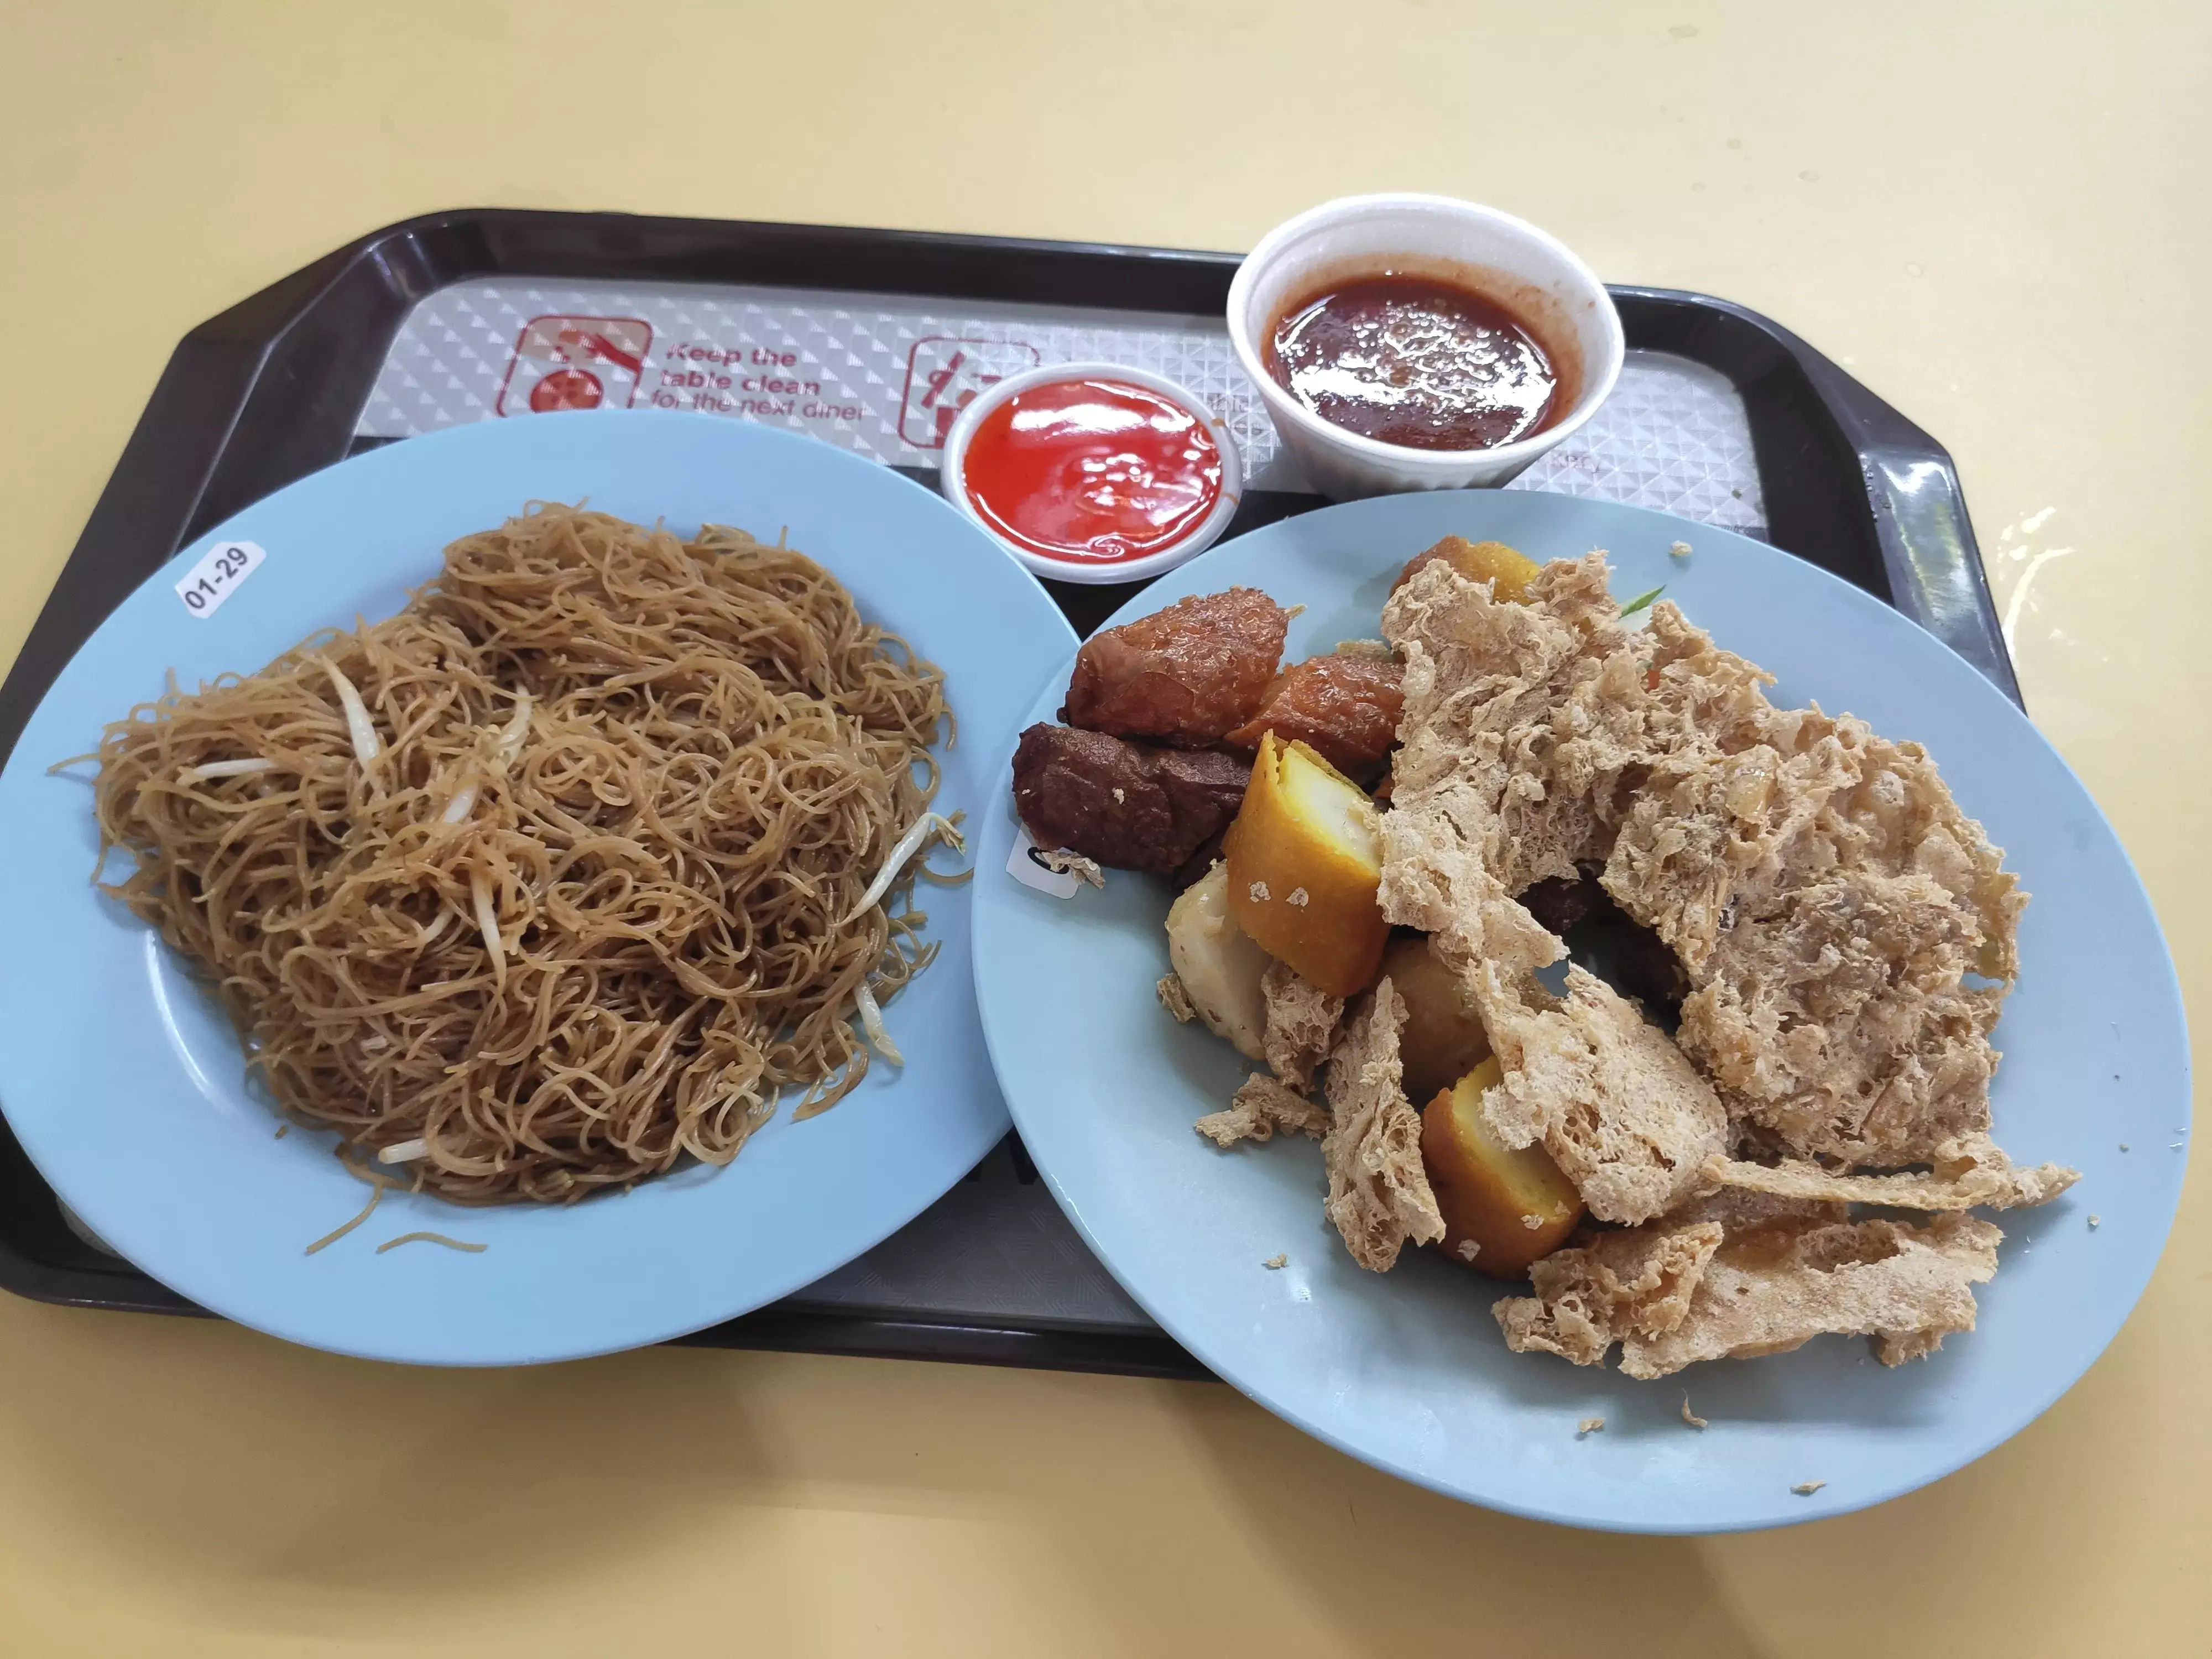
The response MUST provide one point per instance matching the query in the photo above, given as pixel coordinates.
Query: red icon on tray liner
(574, 362)
(943, 376)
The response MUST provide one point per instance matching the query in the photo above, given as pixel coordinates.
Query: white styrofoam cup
(1531, 273)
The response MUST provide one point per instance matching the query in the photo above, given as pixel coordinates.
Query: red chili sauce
(1092, 471)
(1415, 362)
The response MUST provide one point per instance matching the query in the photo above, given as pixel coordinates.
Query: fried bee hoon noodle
(557, 875)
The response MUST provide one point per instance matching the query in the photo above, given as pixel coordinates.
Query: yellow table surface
(1996, 216)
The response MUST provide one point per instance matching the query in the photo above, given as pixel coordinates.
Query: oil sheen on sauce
(1414, 361)
(1092, 470)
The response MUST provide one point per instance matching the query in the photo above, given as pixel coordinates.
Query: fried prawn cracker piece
(1259, 1109)
(1969, 1173)
(1378, 1191)
(1303, 1024)
(1709, 833)
(1626, 1117)
(1828, 898)
(1613, 1285)
(1175, 997)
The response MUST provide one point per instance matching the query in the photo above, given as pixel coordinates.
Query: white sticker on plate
(219, 572)
(1023, 865)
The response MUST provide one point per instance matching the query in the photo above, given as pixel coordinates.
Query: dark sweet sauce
(1415, 362)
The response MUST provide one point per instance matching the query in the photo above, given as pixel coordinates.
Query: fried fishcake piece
(1345, 707)
(1183, 676)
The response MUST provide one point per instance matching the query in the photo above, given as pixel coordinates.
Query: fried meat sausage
(1129, 805)
(1345, 709)
(1182, 675)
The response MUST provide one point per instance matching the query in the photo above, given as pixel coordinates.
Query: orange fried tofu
(1503, 1207)
(1479, 562)
(1774, 1288)
(1183, 676)
(1345, 707)
(1303, 858)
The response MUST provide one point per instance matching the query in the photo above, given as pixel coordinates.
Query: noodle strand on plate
(559, 872)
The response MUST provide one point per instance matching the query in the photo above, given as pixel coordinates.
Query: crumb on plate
(1062, 862)
(1175, 997)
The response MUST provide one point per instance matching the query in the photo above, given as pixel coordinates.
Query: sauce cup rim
(1598, 379)
(953, 481)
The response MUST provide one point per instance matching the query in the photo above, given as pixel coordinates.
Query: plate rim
(1979, 1445)
(58, 1172)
